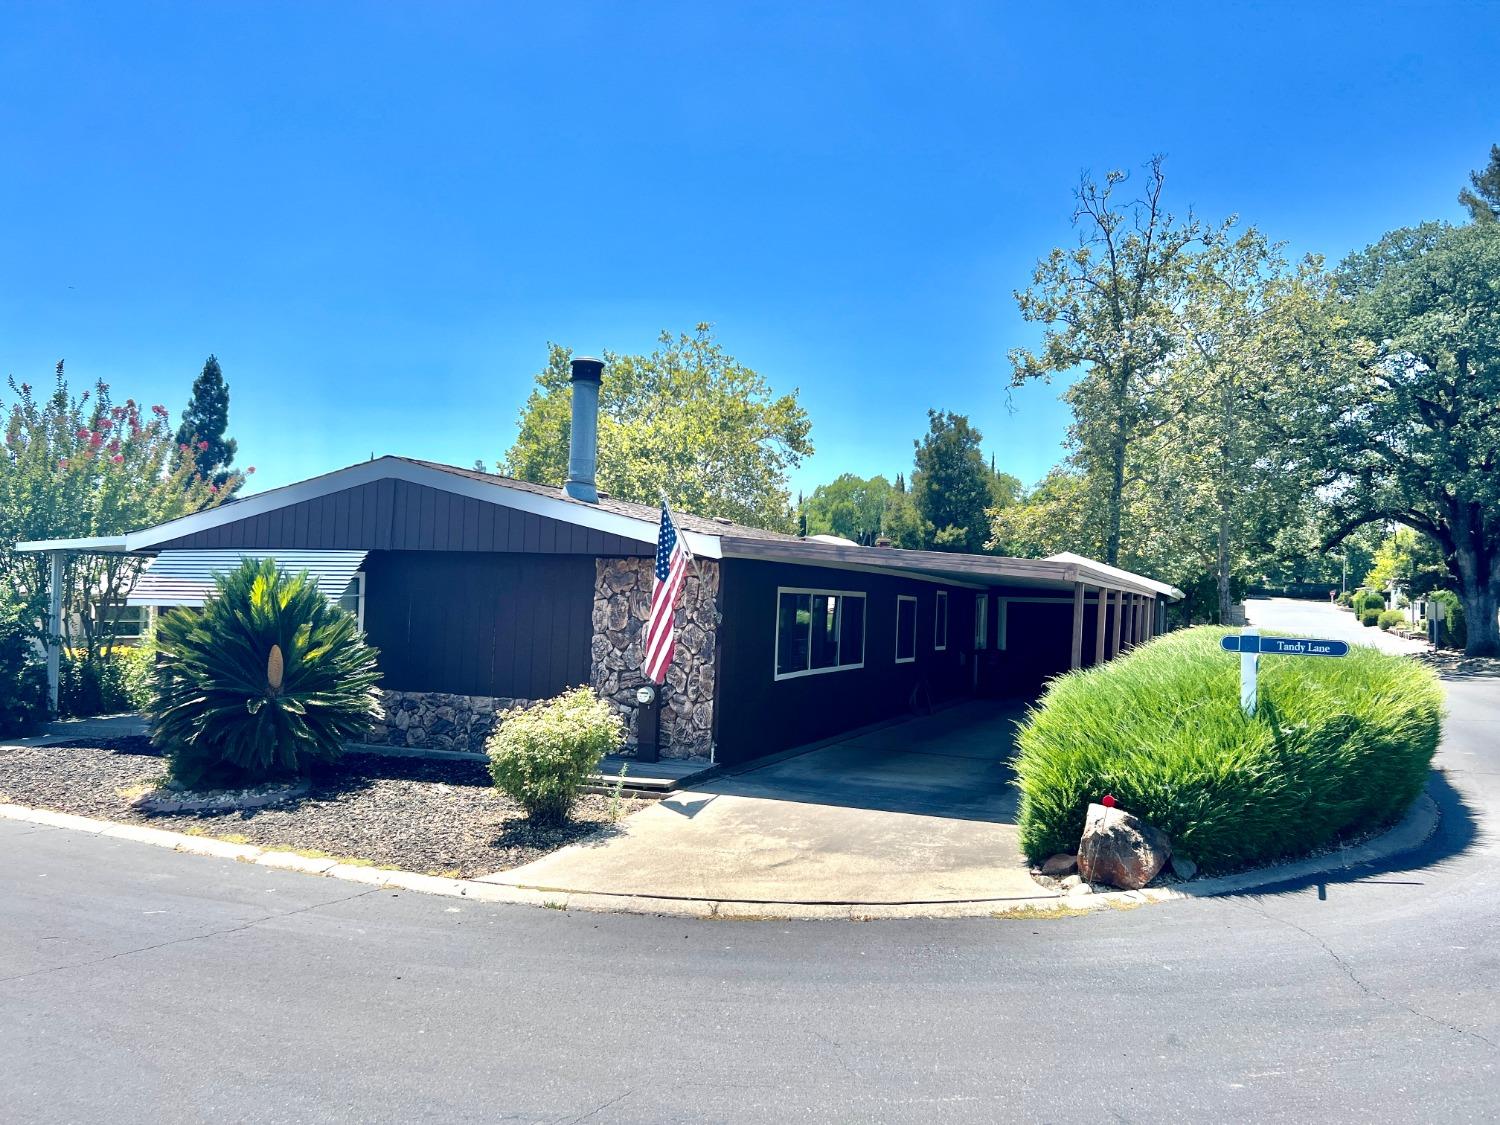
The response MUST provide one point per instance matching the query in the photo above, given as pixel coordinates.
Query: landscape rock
(1121, 850)
(1072, 881)
(1183, 867)
(1059, 865)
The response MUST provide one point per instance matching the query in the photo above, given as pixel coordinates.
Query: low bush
(541, 755)
(1366, 600)
(266, 679)
(114, 679)
(1340, 746)
(1370, 618)
(1391, 618)
(1346, 599)
(23, 678)
(1453, 632)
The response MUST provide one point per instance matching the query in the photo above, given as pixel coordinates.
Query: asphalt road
(140, 984)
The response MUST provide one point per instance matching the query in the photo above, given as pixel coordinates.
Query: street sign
(1252, 646)
(1284, 646)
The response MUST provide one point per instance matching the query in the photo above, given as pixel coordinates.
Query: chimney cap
(587, 369)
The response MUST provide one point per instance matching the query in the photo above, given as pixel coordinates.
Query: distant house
(481, 592)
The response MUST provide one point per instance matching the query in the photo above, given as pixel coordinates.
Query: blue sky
(378, 215)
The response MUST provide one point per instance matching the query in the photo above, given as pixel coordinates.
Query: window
(353, 599)
(818, 631)
(1001, 608)
(906, 629)
(123, 622)
(940, 621)
(981, 621)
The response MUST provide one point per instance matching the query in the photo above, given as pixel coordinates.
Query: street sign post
(1252, 646)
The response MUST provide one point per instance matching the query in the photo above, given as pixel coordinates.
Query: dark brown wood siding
(758, 714)
(480, 623)
(395, 515)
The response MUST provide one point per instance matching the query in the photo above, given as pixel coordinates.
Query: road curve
(137, 982)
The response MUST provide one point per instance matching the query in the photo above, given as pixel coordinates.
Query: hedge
(1370, 618)
(1453, 633)
(1339, 747)
(1390, 617)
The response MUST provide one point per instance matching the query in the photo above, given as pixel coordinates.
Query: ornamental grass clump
(541, 756)
(1339, 746)
(268, 678)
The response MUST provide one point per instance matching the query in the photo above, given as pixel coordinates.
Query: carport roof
(1057, 572)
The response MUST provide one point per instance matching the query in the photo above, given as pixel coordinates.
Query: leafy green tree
(902, 524)
(1415, 434)
(1482, 196)
(204, 423)
(1110, 307)
(952, 486)
(79, 466)
(1059, 514)
(1410, 558)
(688, 418)
(849, 506)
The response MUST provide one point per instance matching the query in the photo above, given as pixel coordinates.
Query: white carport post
(54, 627)
(1076, 659)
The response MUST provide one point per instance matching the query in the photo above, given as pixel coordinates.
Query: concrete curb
(1414, 828)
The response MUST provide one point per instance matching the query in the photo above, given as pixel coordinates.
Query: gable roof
(707, 537)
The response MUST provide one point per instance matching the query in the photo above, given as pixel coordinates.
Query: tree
(1059, 514)
(952, 486)
(203, 425)
(1409, 424)
(1110, 309)
(1410, 558)
(78, 466)
(849, 506)
(1482, 196)
(902, 524)
(688, 419)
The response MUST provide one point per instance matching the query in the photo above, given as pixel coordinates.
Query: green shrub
(114, 679)
(1366, 600)
(268, 678)
(541, 755)
(23, 677)
(1339, 746)
(1453, 633)
(1347, 598)
(1370, 618)
(1390, 618)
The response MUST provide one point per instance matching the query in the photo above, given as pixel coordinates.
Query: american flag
(672, 557)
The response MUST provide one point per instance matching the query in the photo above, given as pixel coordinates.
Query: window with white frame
(818, 631)
(122, 622)
(906, 629)
(940, 621)
(981, 621)
(353, 599)
(1002, 613)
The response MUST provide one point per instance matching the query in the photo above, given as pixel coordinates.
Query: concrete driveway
(1320, 619)
(919, 811)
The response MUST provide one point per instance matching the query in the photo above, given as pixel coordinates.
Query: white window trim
(981, 622)
(912, 659)
(940, 618)
(358, 577)
(778, 675)
(1002, 605)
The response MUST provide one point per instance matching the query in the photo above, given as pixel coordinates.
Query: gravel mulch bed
(437, 817)
(1448, 662)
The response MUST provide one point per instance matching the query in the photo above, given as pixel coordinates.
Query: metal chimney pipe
(583, 445)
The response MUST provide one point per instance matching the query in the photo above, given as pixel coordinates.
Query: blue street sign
(1283, 646)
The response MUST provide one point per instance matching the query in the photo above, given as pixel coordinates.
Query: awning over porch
(187, 577)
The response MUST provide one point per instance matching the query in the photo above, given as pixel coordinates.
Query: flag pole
(682, 537)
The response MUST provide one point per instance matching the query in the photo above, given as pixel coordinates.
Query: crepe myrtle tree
(1409, 425)
(81, 465)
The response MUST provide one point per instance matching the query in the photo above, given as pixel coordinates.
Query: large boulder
(1121, 850)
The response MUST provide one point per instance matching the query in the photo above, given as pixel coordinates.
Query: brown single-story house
(481, 592)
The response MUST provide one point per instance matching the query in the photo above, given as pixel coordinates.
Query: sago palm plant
(267, 678)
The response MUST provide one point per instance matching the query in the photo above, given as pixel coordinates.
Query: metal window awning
(187, 577)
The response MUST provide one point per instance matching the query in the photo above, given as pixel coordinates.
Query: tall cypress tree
(204, 422)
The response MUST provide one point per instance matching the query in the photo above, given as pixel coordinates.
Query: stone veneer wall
(438, 721)
(622, 603)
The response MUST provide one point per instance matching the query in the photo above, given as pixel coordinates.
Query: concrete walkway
(920, 811)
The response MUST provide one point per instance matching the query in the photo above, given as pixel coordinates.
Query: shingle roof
(650, 513)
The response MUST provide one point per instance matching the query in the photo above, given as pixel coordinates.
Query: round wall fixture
(645, 695)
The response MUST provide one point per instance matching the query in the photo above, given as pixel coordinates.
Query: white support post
(1249, 674)
(54, 628)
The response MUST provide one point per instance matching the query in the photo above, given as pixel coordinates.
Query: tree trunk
(1226, 601)
(1479, 590)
